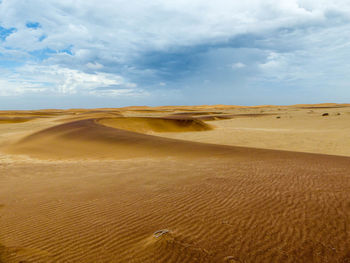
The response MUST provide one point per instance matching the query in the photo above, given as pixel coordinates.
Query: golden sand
(165, 184)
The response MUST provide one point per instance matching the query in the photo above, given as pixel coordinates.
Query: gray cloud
(221, 51)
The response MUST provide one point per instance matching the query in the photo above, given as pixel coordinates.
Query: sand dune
(195, 113)
(145, 124)
(90, 115)
(283, 128)
(31, 113)
(103, 190)
(14, 119)
(231, 116)
(90, 139)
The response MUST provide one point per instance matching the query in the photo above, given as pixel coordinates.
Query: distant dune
(14, 119)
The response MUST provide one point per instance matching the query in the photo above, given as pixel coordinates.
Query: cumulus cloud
(33, 78)
(60, 46)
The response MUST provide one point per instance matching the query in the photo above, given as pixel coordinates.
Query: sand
(158, 185)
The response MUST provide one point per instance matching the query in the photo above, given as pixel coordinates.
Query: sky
(113, 53)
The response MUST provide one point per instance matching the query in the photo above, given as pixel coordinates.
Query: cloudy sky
(111, 53)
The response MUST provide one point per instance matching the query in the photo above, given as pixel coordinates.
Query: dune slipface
(147, 124)
(123, 196)
(90, 139)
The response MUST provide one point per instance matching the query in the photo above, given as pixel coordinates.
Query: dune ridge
(155, 124)
(90, 139)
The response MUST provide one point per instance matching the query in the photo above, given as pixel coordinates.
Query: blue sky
(59, 54)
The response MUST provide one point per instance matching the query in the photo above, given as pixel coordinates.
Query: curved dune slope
(149, 124)
(91, 115)
(90, 139)
(6, 120)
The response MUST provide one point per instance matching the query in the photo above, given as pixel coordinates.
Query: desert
(214, 183)
(174, 131)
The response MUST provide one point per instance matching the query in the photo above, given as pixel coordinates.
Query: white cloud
(14, 88)
(273, 61)
(120, 28)
(121, 93)
(33, 78)
(92, 44)
(238, 65)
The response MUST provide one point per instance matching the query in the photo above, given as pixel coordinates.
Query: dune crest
(148, 124)
(90, 139)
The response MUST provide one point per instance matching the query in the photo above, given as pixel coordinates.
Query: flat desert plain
(176, 184)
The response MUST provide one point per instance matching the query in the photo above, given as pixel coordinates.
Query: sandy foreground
(176, 184)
